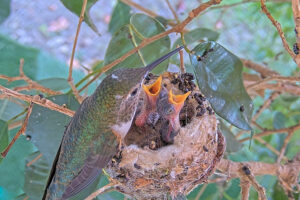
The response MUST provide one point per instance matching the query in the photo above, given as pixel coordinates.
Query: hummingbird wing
(92, 168)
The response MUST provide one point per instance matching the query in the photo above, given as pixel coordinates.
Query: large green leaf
(123, 41)
(9, 109)
(219, 76)
(75, 7)
(120, 17)
(3, 136)
(4, 9)
(232, 145)
(38, 65)
(46, 127)
(12, 167)
(55, 83)
(197, 35)
(36, 176)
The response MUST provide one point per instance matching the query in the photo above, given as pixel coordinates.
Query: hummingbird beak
(178, 100)
(161, 59)
(152, 91)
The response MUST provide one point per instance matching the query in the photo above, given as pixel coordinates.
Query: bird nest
(149, 168)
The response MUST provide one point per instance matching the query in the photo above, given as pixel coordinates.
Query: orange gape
(178, 100)
(152, 91)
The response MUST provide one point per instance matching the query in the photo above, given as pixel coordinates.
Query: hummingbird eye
(133, 93)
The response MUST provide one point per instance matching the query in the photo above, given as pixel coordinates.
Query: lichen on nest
(149, 168)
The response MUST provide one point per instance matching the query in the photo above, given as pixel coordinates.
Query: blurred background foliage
(42, 32)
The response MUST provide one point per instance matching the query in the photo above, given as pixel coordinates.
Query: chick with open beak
(148, 110)
(168, 108)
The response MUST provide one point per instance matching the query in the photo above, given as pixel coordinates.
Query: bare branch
(31, 84)
(173, 11)
(296, 13)
(70, 78)
(285, 143)
(34, 160)
(101, 191)
(279, 29)
(263, 70)
(270, 132)
(37, 100)
(22, 130)
(266, 104)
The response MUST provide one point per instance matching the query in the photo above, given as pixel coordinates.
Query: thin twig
(31, 84)
(270, 147)
(270, 132)
(263, 70)
(177, 29)
(274, 78)
(101, 190)
(246, 175)
(245, 2)
(22, 130)
(245, 188)
(37, 100)
(285, 143)
(266, 104)
(296, 13)
(182, 68)
(279, 29)
(34, 160)
(173, 11)
(70, 78)
(201, 191)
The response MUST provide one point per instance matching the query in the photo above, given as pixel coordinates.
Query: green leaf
(4, 10)
(75, 7)
(36, 176)
(279, 120)
(232, 145)
(120, 17)
(55, 83)
(123, 41)
(279, 193)
(3, 136)
(46, 127)
(13, 165)
(197, 35)
(210, 192)
(219, 76)
(9, 109)
(38, 65)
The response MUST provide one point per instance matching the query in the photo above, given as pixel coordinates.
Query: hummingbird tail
(163, 58)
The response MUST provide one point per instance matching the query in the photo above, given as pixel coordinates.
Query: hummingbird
(96, 131)
(169, 107)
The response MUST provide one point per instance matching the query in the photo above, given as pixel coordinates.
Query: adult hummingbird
(96, 130)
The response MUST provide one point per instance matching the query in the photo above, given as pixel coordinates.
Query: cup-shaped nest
(149, 168)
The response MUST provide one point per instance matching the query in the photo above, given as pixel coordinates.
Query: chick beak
(178, 100)
(152, 92)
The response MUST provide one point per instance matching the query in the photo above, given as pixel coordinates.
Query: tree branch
(22, 130)
(70, 78)
(31, 84)
(279, 29)
(37, 100)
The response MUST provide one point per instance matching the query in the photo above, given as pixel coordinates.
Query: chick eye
(170, 110)
(133, 93)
